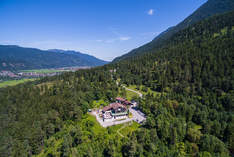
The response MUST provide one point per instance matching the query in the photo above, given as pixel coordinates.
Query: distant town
(37, 72)
(11, 78)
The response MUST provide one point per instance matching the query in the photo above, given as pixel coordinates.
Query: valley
(172, 97)
(9, 78)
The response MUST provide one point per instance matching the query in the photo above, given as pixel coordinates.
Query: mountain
(188, 89)
(208, 9)
(83, 56)
(14, 57)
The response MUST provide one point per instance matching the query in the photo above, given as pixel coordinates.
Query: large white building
(114, 111)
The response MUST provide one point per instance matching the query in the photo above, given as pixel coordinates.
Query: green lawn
(134, 87)
(111, 131)
(93, 125)
(129, 129)
(197, 127)
(131, 95)
(42, 71)
(14, 82)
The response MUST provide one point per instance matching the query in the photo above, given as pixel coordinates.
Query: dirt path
(140, 94)
(131, 90)
(126, 124)
(121, 129)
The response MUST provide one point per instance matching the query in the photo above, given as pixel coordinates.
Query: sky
(102, 28)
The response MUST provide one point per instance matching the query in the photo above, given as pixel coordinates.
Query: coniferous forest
(191, 114)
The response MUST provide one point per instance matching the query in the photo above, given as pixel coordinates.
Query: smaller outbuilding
(123, 101)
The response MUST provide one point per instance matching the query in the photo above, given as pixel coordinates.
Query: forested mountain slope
(210, 8)
(82, 56)
(190, 114)
(197, 69)
(19, 58)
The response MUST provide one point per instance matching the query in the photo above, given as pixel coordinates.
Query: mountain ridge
(13, 57)
(208, 9)
(85, 56)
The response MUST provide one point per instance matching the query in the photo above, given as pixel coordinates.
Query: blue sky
(103, 28)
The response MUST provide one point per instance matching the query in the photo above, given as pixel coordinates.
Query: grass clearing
(91, 122)
(13, 82)
(129, 129)
(111, 131)
(144, 90)
(197, 127)
(42, 71)
(130, 95)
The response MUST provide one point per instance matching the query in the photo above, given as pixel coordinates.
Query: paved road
(138, 116)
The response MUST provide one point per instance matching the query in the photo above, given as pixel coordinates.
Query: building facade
(114, 111)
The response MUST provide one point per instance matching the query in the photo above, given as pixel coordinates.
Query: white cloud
(117, 37)
(151, 12)
(124, 38)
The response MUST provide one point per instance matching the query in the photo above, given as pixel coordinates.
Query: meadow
(13, 82)
(42, 71)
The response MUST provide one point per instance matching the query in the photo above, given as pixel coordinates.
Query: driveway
(138, 116)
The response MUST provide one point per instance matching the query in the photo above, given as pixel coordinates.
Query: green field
(13, 82)
(148, 91)
(42, 71)
(131, 95)
(129, 129)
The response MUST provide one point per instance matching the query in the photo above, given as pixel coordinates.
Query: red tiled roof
(113, 106)
(106, 108)
(127, 102)
(120, 99)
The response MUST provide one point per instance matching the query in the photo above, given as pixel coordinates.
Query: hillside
(20, 58)
(82, 56)
(210, 8)
(189, 88)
